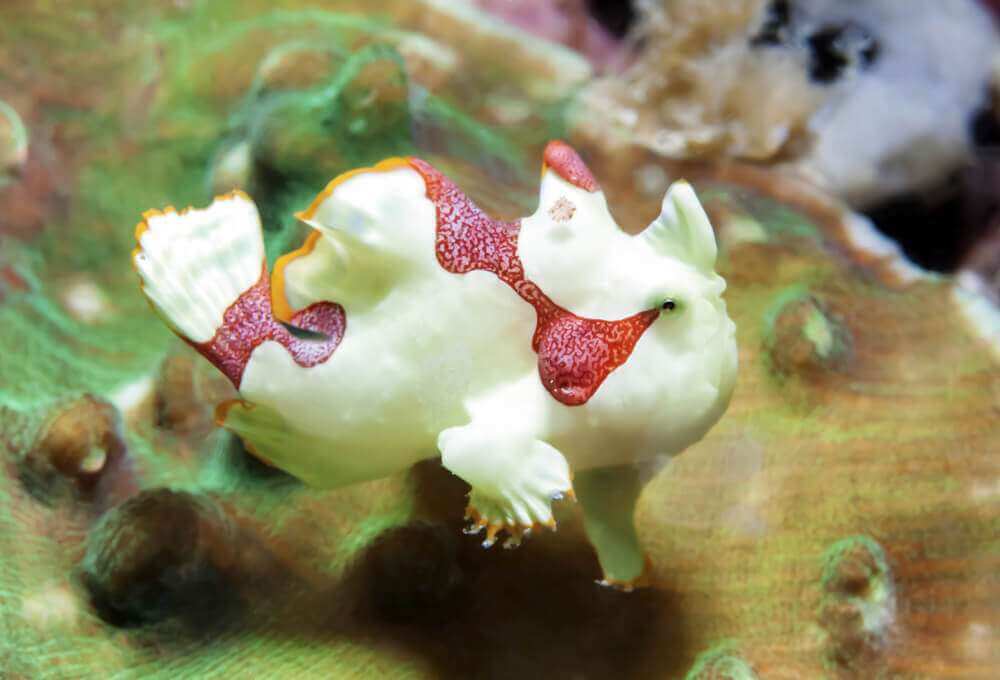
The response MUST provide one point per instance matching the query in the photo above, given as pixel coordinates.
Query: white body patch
(426, 350)
(439, 362)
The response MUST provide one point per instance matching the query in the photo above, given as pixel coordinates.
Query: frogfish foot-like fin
(514, 479)
(608, 497)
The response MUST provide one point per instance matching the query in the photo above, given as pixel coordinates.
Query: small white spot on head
(562, 210)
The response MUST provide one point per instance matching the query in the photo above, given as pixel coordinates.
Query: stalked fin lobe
(194, 264)
(683, 229)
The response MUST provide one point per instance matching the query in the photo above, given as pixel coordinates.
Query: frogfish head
(575, 251)
(691, 347)
(671, 264)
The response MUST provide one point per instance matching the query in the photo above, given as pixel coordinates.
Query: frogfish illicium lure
(546, 357)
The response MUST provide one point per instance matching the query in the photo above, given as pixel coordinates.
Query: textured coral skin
(249, 321)
(575, 354)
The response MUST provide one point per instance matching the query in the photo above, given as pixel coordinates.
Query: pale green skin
(436, 363)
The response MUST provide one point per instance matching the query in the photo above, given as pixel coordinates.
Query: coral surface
(840, 520)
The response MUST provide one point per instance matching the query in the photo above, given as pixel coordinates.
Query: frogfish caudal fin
(204, 271)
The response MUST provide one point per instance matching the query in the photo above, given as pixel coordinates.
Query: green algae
(49, 355)
(370, 528)
(835, 554)
(817, 330)
(721, 662)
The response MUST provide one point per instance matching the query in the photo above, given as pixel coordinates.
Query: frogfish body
(540, 358)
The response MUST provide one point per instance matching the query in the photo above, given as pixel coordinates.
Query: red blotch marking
(564, 160)
(468, 238)
(250, 321)
(575, 354)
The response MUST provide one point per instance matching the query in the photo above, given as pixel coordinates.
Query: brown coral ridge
(186, 391)
(859, 604)
(80, 452)
(166, 554)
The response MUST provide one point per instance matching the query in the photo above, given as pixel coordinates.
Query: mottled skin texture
(575, 355)
(249, 321)
(561, 158)
(441, 341)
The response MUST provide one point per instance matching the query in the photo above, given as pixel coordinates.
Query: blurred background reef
(842, 520)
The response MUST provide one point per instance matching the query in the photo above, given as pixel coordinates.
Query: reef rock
(839, 520)
(899, 83)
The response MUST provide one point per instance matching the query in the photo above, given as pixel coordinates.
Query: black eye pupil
(669, 305)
